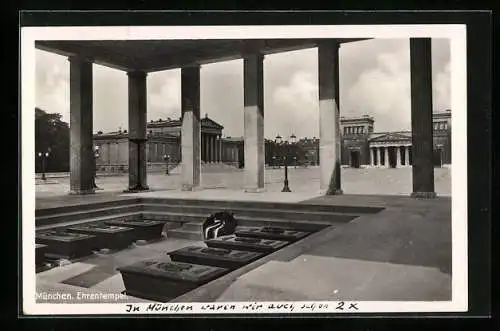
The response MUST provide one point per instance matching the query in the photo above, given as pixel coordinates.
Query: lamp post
(96, 156)
(166, 158)
(43, 156)
(285, 150)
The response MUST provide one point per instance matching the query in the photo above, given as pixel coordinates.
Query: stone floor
(401, 253)
(354, 181)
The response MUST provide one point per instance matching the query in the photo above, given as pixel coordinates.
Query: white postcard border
(457, 36)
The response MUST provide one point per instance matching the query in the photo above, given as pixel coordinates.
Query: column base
(82, 192)
(332, 192)
(254, 189)
(424, 195)
(136, 189)
(191, 188)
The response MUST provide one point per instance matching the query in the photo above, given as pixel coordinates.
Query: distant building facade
(361, 146)
(164, 140)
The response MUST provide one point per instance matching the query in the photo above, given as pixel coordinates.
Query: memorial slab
(217, 257)
(274, 233)
(64, 244)
(40, 251)
(162, 280)
(246, 244)
(108, 236)
(143, 229)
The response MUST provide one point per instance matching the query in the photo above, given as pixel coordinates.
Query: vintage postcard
(244, 169)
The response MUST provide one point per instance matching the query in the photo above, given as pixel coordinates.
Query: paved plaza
(400, 253)
(373, 181)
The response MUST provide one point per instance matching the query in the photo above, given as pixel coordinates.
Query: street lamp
(166, 158)
(284, 151)
(96, 156)
(293, 141)
(43, 156)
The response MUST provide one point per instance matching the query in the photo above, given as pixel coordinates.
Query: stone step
(173, 217)
(131, 215)
(85, 214)
(86, 206)
(193, 226)
(254, 221)
(181, 233)
(221, 204)
(254, 212)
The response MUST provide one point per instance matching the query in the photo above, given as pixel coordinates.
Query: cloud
(384, 92)
(164, 95)
(52, 84)
(374, 80)
(442, 89)
(297, 105)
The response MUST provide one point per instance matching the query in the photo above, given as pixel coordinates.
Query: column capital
(252, 48)
(137, 74)
(80, 59)
(191, 66)
(329, 42)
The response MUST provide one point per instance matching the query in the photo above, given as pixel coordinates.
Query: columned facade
(190, 132)
(253, 83)
(421, 117)
(329, 117)
(81, 150)
(137, 114)
(389, 154)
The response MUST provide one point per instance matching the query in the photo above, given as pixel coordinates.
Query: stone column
(137, 112)
(81, 138)
(386, 156)
(118, 156)
(398, 156)
(372, 157)
(421, 118)
(212, 148)
(253, 77)
(379, 156)
(407, 155)
(329, 117)
(219, 148)
(207, 148)
(191, 128)
(203, 157)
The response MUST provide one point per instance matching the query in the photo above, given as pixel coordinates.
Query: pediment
(392, 136)
(209, 123)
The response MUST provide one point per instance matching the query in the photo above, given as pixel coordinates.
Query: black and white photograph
(244, 169)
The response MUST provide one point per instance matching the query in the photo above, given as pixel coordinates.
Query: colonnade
(192, 150)
(379, 155)
(211, 148)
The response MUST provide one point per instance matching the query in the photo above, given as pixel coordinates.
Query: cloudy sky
(374, 80)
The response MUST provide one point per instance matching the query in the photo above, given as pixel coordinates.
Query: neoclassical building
(164, 139)
(361, 146)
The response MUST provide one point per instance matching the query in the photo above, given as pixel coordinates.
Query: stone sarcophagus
(246, 244)
(274, 233)
(40, 251)
(217, 257)
(163, 280)
(65, 244)
(143, 229)
(108, 236)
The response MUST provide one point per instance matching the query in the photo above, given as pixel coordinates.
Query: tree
(51, 135)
